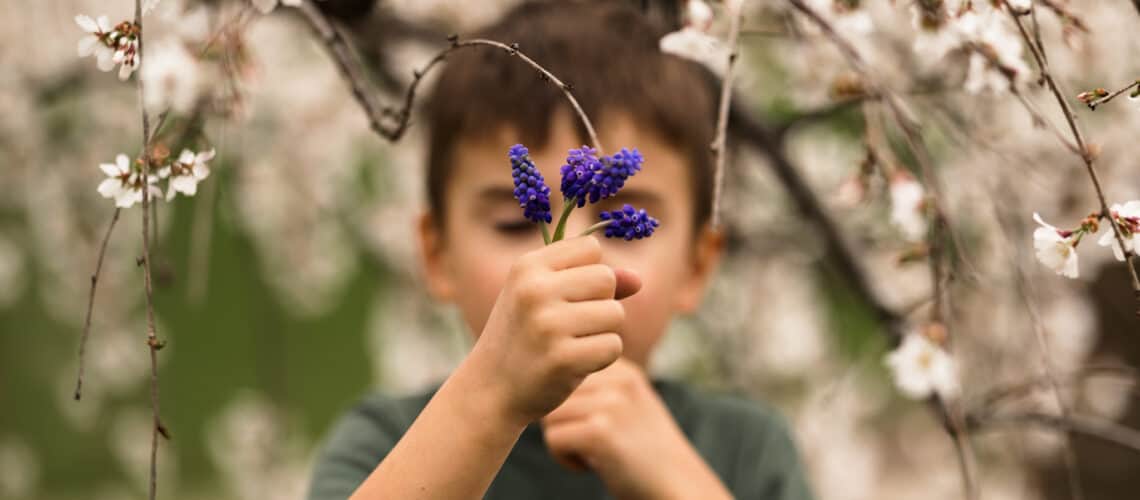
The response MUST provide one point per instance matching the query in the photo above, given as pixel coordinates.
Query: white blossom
(124, 184)
(99, 40)
(921, 368)
(694, 44)
(172, 77)
(1019, 5)
(126, 56)
(908, 202)
(698, 14)
(1056, 249)
(187, 172)
(1128, 216)
(845, 19)
(267, 6)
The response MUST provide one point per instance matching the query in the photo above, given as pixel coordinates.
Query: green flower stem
(545, 232)
(596, 227)
(560, 229)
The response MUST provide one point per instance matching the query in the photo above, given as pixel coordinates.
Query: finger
(571, 252)
(590, 317)
(576, 407)
(592, 282)
(570, 443)
(590, 353)
(628, 283)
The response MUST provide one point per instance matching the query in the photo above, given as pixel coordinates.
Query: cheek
(480, 278)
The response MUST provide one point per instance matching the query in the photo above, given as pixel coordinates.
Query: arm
(552, 325)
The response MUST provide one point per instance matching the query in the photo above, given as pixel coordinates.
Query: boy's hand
(617, 425)
(554, 322)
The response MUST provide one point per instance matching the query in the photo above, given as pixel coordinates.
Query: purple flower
(578, 173)
(617, 169)
(530, 189)
(629, 223)
(585, 178)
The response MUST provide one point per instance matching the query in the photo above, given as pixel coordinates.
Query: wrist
(481, 398)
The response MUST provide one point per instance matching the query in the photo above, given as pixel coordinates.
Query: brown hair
(608, 53)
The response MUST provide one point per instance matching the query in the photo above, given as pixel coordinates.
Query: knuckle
(591, 248)
(531, 289)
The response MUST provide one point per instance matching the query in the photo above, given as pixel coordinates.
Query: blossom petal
(186, 157)
(87, 45)
(104, 56)
(110, 187)
(1109, 239)
(123, 162)
(200, 171)
(110, 169)
(104, 24)
(86, 23)
(184, 184)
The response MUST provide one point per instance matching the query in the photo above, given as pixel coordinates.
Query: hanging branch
(151, 338)
(1087, 156)
(718, 144)
(398, 119)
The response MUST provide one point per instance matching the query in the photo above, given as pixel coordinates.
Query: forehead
(480, 165)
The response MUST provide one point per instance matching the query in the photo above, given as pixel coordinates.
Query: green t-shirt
(746, 443)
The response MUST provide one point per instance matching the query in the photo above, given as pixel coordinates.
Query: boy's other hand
(616, 425)
(554, 322)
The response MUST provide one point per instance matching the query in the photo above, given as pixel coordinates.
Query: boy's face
(467, 261)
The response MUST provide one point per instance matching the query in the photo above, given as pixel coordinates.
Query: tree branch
(718, 144)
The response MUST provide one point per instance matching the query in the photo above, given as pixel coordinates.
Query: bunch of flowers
(110, 45)
(585, 179)
(1057, 248)
(124, 180)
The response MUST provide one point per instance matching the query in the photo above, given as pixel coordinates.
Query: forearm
(454, 448)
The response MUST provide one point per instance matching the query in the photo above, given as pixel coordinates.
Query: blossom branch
(1086, 154)
(718, 144)
(151, 338)
(1092, 104)
(400, 117)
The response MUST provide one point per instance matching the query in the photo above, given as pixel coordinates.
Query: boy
(553, 400)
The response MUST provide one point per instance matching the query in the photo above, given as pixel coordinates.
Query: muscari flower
(629, 223)
(530, 188)
(1128, 218)
(124, 184)
(585, 178)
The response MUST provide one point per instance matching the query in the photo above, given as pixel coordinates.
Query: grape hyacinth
(530, 188)
(585, 179)
(628, 223)
(578, 173)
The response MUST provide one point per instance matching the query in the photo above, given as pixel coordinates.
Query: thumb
(628, 283)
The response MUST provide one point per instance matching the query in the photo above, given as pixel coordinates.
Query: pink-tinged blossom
(1128, 218)
(1056, 249)
(908, 206)
(921, 368)
(99, 41)
(124, 183)
(187, 172)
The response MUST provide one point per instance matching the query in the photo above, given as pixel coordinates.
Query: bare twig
(391, 123)
(718, 144)
(1085, 425)
(1086, 154)
(91, 302)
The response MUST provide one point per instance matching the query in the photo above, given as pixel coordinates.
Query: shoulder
(360, 439)
(748, 442)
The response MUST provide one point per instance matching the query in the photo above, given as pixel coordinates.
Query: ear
(433, 261)
(708, 247)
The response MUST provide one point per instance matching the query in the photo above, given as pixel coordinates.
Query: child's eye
(515, 226)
